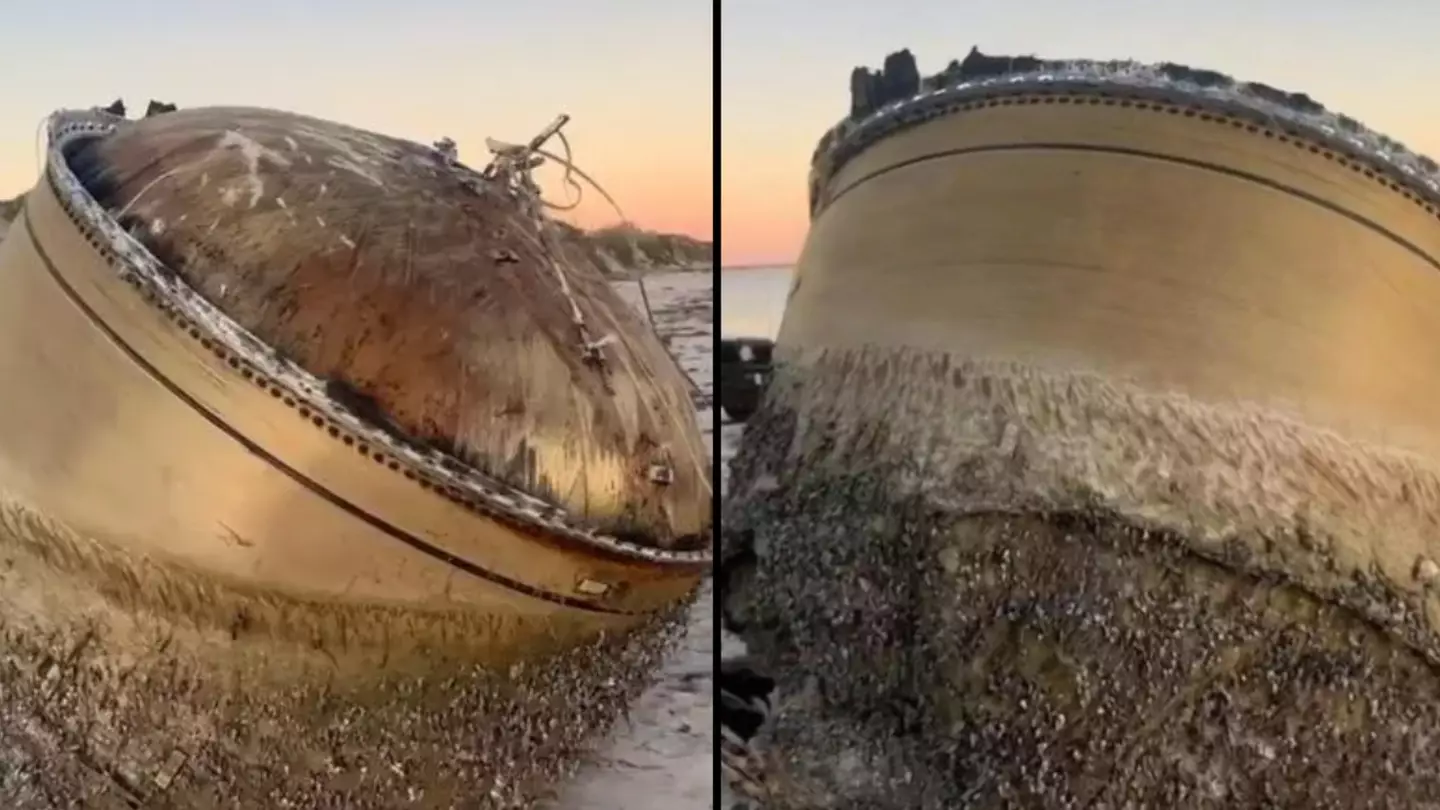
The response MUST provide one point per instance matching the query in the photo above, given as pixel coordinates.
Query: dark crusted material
(1065, 661)
(899, 79)
(163, 689)
(987, 587)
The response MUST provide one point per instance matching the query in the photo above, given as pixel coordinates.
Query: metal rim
(1396, 170)
(257, 364)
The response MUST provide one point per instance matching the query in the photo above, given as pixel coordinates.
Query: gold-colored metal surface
(97, 442)
(1200, 256)
(224, 586)
(442, 298)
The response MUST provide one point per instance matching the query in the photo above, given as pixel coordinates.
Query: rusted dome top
(435, 301)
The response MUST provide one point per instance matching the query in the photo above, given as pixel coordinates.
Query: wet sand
(662, 756)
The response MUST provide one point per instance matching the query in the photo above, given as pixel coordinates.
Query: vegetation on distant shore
(626, 249)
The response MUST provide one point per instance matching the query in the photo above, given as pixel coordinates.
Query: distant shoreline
(634, 273)
(768, 266)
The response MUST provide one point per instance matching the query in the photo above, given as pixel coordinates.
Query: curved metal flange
(259, 365)
(1388, 163)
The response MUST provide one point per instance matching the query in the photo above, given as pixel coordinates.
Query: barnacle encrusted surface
(134, 684)
(1117, 487)
(984, 585)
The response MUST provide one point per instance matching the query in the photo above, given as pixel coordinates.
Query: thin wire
(571, 169)
(571, 172)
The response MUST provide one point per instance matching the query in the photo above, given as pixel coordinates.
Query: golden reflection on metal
(93, 441)
(1186, 255)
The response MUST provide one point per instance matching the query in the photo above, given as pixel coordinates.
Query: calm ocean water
(752, 299)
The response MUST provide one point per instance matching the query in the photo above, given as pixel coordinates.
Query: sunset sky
(785, 72)
(636, 75)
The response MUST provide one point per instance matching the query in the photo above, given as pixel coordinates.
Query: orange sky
(785, 72)
(637, 77)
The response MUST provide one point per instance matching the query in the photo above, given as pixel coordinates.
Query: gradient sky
(636, 75)
(785, 72)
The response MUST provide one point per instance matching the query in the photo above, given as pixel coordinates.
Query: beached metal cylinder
(328, 476)
(1099, 467)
